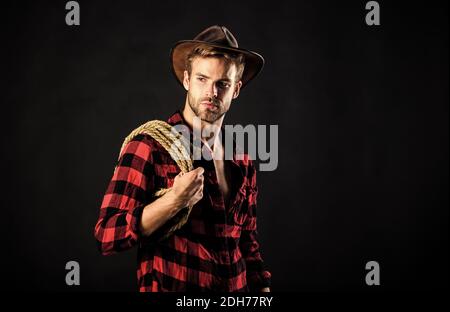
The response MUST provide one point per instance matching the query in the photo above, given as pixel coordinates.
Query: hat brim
(254, 62)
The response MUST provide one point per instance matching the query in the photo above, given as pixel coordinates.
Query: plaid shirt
(216, 250)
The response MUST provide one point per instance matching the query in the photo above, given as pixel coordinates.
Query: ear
(237, 89)
(186, 80)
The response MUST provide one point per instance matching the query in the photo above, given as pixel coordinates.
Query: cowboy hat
(220, 37)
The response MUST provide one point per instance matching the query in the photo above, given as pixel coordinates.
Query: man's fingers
(196, 174)
(192, 180)
(200, 191)
(199, 171)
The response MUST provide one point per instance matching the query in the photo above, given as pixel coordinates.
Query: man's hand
(265, 289)
(187, 188)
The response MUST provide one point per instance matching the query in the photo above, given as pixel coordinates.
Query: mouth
(209, 105)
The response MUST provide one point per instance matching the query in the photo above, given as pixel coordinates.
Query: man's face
(211, 87)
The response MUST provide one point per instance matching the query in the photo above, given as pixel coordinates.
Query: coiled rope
(176, 145)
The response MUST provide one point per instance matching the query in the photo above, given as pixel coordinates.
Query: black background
(363, 134)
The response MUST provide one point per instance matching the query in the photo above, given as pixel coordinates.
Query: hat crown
(218, 35)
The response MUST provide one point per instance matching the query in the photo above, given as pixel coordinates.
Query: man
(217, 249)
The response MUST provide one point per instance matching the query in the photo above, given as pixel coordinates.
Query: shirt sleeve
(258, 276)
(117, 228)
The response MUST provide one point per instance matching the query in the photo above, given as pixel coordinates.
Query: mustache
(212, 100)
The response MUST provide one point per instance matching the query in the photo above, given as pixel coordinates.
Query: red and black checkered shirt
(216, 250)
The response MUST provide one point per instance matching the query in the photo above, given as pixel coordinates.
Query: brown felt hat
(220, 37)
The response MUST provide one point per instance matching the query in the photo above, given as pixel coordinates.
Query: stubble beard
(204, 113)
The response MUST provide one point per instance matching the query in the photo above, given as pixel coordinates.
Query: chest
(224, 179)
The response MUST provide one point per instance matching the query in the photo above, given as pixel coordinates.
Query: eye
(224, 85)
(201, 79)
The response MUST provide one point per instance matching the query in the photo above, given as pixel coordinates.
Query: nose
(212, 90)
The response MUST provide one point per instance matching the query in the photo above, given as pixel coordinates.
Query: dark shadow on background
(363, 123)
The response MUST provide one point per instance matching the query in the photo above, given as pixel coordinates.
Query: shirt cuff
(258, 280)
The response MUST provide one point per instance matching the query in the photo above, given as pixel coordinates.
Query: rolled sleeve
(117, 228)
